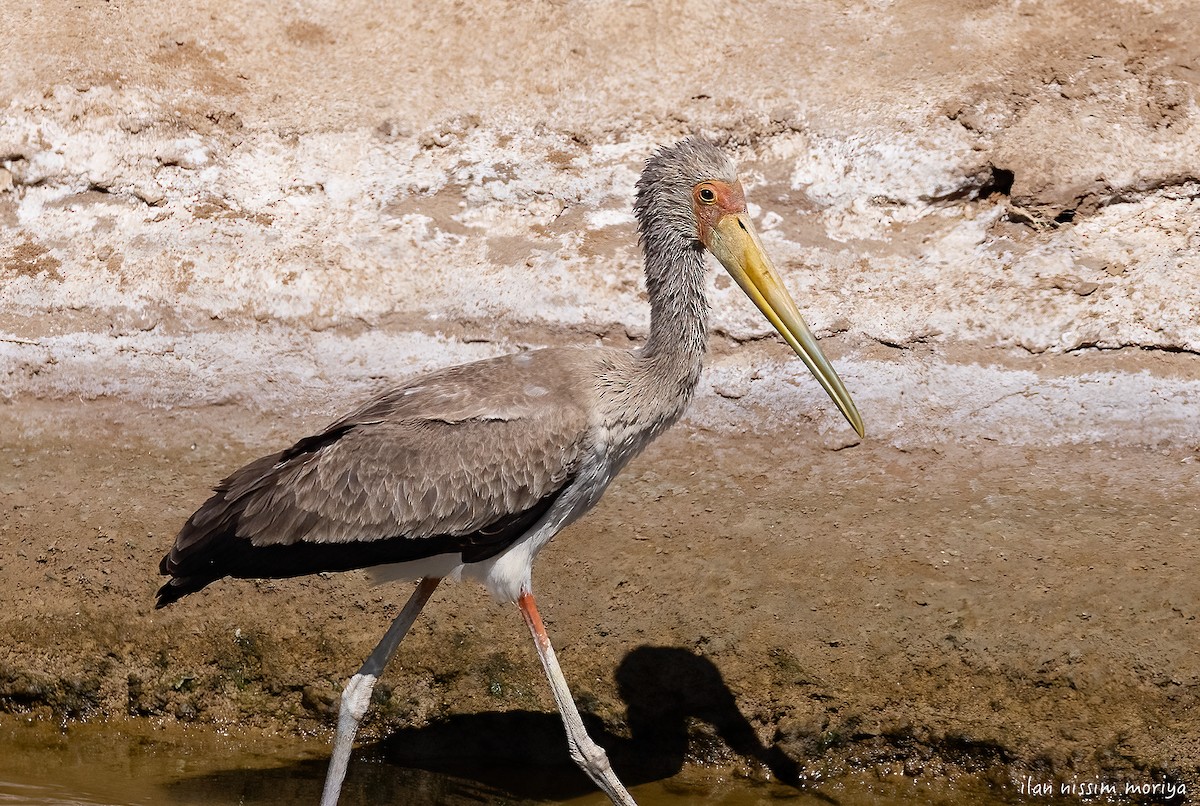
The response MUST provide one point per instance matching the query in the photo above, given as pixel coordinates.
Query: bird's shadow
(508, 756)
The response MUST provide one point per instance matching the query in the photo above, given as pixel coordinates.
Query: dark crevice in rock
(1000, 182)
(1157, 348)
(990, 181)
(1034, 212)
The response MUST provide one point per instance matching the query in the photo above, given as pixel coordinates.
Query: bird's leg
(590, 756)
(357, 694)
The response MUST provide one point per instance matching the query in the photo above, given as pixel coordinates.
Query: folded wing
(461, 461)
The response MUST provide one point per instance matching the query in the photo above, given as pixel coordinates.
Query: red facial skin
(730, 200)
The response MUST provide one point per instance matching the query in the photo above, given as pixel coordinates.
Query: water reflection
(493, 757)
(663, 689)
(521, 756)
(301, 782)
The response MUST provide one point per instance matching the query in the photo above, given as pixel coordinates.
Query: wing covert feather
(448, 453)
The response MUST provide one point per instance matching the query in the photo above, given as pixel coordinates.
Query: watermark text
(1166, 790)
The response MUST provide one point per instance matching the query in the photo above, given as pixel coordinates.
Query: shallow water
(131, 763)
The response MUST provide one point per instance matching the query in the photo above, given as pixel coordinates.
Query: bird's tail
(207, 546)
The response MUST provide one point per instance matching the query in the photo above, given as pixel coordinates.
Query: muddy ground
(757, 599)
(222, 224)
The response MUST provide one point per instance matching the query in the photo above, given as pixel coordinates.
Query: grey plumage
(471, 470)
(451, 453)
(460, 450)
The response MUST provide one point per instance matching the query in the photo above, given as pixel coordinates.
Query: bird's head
(689, 198)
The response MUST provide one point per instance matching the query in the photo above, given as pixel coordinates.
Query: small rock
(150, 194)
(318, 701)
(733, 388)
(1087, 288)
(838, 439)
(187, 153)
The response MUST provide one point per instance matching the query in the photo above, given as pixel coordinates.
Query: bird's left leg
(590, 756)
(357, 694)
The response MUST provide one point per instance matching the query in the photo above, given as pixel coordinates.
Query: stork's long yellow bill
(736, 244)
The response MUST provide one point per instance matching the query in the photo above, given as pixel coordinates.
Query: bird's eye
(707, 195)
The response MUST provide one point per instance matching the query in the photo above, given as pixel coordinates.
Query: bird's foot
(356, 697)
(592, 759)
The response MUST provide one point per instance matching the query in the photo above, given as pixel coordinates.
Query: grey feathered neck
(674, 257)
